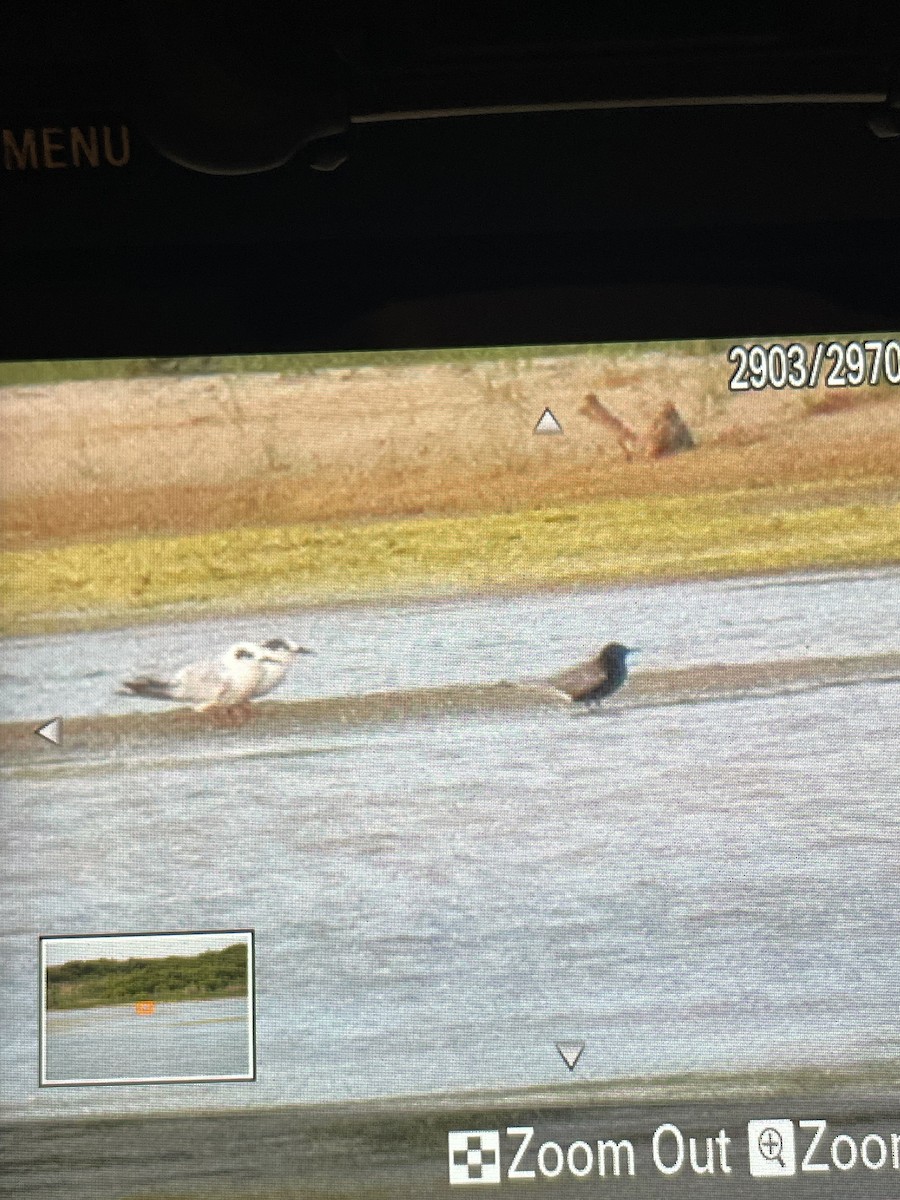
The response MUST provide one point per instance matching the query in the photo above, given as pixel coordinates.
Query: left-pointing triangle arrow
(52, 731)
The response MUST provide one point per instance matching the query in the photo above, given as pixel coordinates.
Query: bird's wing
(274, 668)
(200, 682)
(146, 685)
(579, 680)
(271, 675)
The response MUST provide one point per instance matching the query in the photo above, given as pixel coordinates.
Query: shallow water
(436, 902)
(178, 1041)
(482, 640)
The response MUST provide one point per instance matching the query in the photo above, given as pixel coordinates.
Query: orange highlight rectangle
(145, 1008)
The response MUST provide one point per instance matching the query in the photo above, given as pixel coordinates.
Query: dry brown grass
(127, 499)
(86, 461)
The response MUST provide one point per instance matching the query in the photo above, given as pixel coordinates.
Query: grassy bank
(92, 584)
(91, 983)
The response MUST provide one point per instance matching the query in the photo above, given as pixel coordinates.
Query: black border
(359, 295)
(52, 937)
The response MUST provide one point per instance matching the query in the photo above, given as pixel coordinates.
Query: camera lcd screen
(456, 768)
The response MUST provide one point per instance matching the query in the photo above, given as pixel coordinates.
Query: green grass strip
(103, 583)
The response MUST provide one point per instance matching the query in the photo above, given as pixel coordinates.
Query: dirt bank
(107, 458)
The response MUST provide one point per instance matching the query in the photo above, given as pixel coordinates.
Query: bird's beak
(304, 650)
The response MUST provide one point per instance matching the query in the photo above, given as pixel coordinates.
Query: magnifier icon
(771, 1146)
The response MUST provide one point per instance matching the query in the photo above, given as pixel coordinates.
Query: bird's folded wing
(576, 680)
(199, 681)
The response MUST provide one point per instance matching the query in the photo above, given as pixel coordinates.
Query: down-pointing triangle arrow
(570, 1052)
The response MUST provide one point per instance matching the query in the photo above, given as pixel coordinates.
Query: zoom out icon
(474, 1156)
(772, 1148)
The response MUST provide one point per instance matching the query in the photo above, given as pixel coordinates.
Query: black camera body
(191, 181)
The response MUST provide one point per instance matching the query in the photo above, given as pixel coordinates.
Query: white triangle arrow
(52, 731)
(570, 1052)
(548, 423)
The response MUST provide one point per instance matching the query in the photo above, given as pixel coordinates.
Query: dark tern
(600, 676)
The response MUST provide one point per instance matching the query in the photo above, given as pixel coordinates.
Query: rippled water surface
(688, 887)
(177, 1041)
